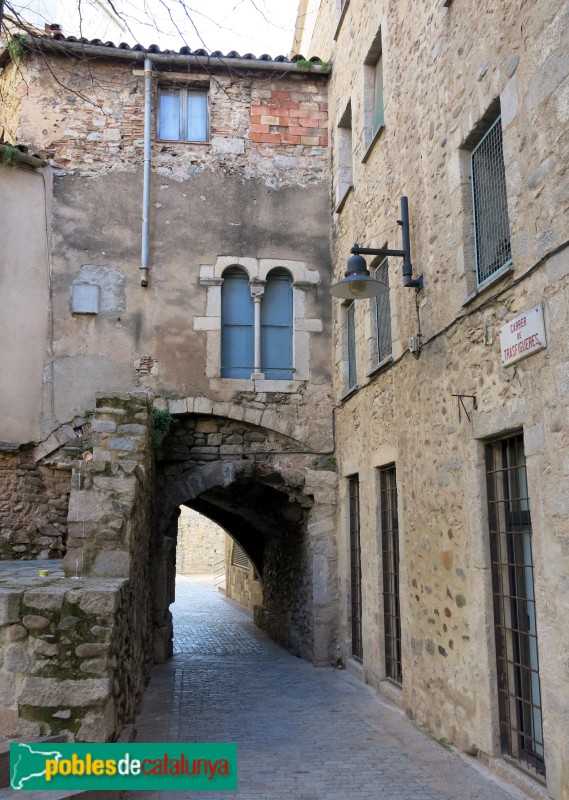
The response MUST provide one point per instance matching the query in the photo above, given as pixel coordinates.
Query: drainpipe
(146, 177)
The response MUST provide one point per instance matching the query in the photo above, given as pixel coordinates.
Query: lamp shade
(358, 283)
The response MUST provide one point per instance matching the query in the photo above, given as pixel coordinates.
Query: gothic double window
(256, 325)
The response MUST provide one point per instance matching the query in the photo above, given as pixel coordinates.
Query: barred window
(351, 326)
(390, 563)
(355, 567)
(383, 314)
(490, 205)
(515, 623)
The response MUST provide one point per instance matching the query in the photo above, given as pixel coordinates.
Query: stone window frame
(492, 115)
(303, 280)
(341, 10)
(374, 57)
(348, 389)
(343, 179)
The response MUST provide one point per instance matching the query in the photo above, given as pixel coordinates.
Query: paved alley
(302, 733)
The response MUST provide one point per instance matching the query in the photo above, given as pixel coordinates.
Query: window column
(257, 292)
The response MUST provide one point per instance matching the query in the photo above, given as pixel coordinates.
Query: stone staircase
(7, 794)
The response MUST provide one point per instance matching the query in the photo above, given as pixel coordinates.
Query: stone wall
(71, 664)
(242, 581)
(444, 67)
(269, 126)
(33, 507)
(200, 543)
(276, 498)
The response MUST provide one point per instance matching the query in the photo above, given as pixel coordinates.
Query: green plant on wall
(302, 63)
(10, 154)
(16, 48)
(162, 422)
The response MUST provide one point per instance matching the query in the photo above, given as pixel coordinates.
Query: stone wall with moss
(71, 664)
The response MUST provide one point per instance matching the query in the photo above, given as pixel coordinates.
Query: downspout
(146, 175)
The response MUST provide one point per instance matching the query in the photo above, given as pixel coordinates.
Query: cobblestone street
(302, 733)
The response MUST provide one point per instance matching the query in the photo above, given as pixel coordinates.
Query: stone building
(394, 467)
(165, 239)
(200, 543)
(452, 433)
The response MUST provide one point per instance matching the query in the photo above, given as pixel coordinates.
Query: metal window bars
(383, 314)
(355, 567)
(490, 205)
(519, 692)
(390, 567)
(351, 331)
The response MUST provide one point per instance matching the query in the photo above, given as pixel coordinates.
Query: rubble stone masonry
(92, 122)
(446, 68)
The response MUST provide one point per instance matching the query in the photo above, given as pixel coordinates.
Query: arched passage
(272, 498)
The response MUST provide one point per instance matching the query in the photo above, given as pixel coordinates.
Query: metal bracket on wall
(460, 402)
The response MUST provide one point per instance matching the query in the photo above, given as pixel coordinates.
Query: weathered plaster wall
(200, 543)
(443, 68)
(24, 300)
(257, 190)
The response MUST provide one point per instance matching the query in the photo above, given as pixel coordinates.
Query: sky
(247, 26)
(256, 26)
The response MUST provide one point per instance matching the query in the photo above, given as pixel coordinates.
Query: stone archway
(277, 501)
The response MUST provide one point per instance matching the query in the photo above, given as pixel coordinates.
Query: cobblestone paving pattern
(303, 733)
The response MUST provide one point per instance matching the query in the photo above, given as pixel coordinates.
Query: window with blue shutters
(182, 115)
(276, 326)
(236, 325)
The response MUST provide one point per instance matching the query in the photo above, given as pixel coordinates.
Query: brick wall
(289, 117)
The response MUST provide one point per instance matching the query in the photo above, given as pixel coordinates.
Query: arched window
(236, 325)
(276, 326)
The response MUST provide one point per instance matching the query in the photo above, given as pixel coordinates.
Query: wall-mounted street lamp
(358, 282)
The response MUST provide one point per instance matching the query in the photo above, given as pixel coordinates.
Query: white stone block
(207, 323)
(222, 144)
(509, 103)
(177, 405)
(202, 405)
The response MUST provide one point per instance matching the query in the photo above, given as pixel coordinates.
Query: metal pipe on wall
(146, 174)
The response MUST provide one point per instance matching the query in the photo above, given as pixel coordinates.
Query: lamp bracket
(460, 401)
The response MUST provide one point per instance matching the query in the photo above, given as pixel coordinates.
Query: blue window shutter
(169, 114)
(276, 327)
(197, 117)
(236, 325)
